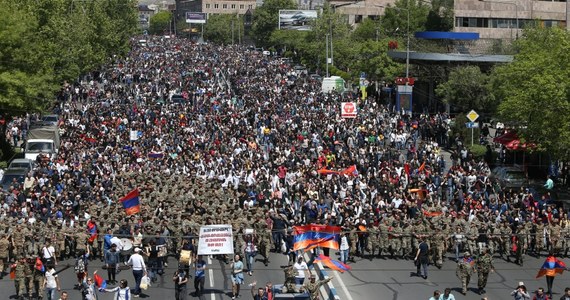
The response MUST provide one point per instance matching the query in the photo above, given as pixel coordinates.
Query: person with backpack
(123, 291)
(80, 267)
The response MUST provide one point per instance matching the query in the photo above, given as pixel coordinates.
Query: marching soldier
(4, 251)
(353, 239)
(289, 285)
(539, 238)
(484, 266)
(20, 276)
(504, 240)
(464, 271)
(555, 237)
(472, 236)
(407, 240)
(373, 241)
(396, 241)
(438, 247)
(383, 240)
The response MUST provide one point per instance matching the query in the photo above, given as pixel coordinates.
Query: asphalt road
(217, 285)
(391, 279)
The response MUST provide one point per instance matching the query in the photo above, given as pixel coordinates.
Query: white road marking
(211, 275)
(343, 287)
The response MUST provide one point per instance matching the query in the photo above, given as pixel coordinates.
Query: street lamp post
(516, 14)
(408, 43)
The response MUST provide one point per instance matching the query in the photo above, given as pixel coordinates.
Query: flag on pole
(131, 202)
(92, 228)
(311, 236)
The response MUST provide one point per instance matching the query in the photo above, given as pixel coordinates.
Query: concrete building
(357, 11)
(504, 19)
(227, 6)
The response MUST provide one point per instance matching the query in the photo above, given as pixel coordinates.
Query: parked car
(12, 177)
(300, 70)
(510, 177)
(21, 163)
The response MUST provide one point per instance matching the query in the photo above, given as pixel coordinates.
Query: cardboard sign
(216, 239)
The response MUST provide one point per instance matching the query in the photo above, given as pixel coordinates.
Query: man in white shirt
(48, 254)
(139, 270)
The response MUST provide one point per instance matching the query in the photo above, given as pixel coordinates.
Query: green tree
(395, 18)
(440, 16)
(466, 89)
(266, 19)
(534, 89)
(368, 29)
(219, 28)
(373, 59)
(160, 22)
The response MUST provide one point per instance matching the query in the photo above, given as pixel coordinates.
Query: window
(357, 19)
(241, 6)
(207, 5)
(233, 6)
(224, 6)
(250, 6)
(216, 6)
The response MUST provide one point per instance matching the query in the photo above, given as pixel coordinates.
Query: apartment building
(505, 19)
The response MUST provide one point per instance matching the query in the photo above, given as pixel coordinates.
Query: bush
(477, 150)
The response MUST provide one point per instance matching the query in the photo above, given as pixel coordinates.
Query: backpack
(79, 265)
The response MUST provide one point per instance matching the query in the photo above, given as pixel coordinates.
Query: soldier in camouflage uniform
(264, 241)
(407, 235)
(38, 280)
(20, 276)
(396, 241)
(383, 240)
(505, 240)
(312, 287)
(289, 285)
(353, 240)
(373, 241)
(555, 237)
(29, 275)
(484, 265)
(464, 271)
(539, 243)
(4, 252)
(438, 246)
(472, 235)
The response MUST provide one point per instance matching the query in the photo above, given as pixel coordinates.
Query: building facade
(227, 6)
(357, 11)
(505, 19)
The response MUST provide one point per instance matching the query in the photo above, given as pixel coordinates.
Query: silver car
(510, 177)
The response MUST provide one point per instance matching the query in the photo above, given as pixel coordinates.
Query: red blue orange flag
(99, 281)
(131, 202)
(92, 228)
(333, 264)
(40, 265)
(551, 267)
(311, 236)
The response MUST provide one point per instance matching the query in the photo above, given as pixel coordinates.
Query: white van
(333, 83)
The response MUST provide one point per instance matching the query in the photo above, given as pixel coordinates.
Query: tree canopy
(160, 22)
(45, 42)
(466, 89)
(266, 18)
(535, 91)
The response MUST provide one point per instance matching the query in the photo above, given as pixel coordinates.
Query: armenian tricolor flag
(551, 267)
(311, 236)
(333, 264)
(92, 228)
(40, 265)
(131, 202)
(99, 281)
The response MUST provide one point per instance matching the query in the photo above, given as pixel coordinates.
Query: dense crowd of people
(226, 135)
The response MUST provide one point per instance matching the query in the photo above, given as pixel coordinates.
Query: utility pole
(327, 52)
(232, 32)
(239, 30)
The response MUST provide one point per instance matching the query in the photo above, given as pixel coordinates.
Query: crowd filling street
(226, 135)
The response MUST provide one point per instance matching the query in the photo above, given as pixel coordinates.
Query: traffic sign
(472, 116)
(472, 125)
(348, 109)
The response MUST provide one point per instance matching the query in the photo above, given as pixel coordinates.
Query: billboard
(195, 18)
(296, 19)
